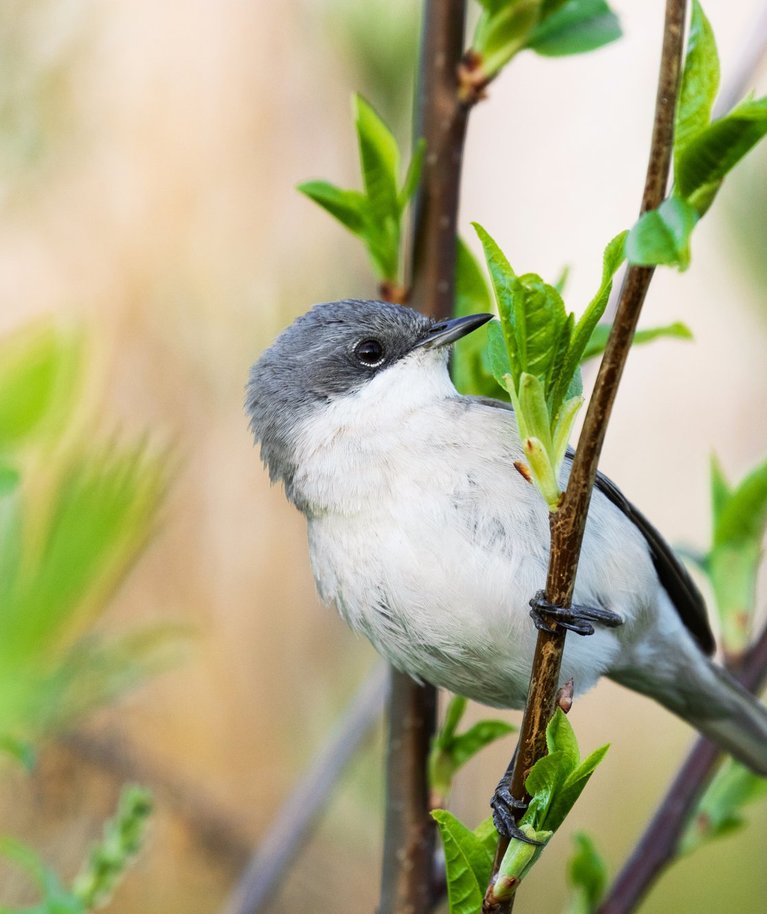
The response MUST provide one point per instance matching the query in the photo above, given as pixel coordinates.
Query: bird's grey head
(332, 351)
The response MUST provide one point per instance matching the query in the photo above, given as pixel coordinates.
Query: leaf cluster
(471, 366)
(555, 782)
(535, 353)
(71, 523)
(553, 28)
(451, 750)
(375, 214)
(705, 151)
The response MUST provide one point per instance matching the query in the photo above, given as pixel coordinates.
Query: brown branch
(407, 883)
(657, 847)
(568, 523)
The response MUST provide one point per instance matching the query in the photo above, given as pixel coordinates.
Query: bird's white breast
(431, 543)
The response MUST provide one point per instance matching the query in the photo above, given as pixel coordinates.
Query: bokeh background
(148, 158)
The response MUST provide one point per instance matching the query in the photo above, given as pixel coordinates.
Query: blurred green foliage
(383, 58)
(74, 515)
(93, 886)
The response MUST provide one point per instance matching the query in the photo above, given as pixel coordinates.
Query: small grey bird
(431, 543)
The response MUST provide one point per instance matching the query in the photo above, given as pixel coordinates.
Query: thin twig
(568, 523)
(406, 883)
(294, 822)
(657, 847)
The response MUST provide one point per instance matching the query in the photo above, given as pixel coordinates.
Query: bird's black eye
(370, 353)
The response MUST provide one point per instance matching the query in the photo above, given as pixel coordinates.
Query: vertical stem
(569, 522)
(407, 879)
(441, 120)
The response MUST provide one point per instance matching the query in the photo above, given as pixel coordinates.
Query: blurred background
(148, 158)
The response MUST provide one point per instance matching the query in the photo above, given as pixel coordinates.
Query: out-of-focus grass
(73, 519)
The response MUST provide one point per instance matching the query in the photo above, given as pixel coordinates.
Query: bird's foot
(506, 810)
(575, 619)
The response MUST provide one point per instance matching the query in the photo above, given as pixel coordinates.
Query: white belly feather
(431, 544)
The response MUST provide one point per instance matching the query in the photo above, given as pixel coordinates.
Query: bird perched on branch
(430, 543)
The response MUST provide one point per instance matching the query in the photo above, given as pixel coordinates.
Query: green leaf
(497, 353)
(587, 875)
(413, 175)
(709, 155)
(471, 292)
(563, 428)
(506, 286)
(22, 752)
(556, 781)
(468, 861)
(662, 235)
(598, 342)
(541, 312)
(470, 367)
(565, 798)
(40, 376)
(379, 158)
(719, 810)
(562, 383)
(720, 489)
(743, 516)
(578, 26)
(56, 898)
(484, 732)
(532, 403)
(518, 860)
(348, 206)
(450, 751)
(502, 30)
(561, 282)
(539, 461)
(101, 512)
(700, 80)
(453, 715)
(740, 518)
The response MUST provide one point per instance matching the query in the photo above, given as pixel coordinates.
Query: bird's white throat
(348, 446)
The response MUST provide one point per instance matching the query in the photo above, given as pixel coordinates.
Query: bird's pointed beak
(444, 333)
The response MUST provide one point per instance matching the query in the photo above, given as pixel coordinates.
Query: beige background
(149, 157)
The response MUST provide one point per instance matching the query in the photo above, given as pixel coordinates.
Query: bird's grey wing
(677, 583)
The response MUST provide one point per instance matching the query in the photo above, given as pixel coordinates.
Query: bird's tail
(707, 696)
(742, 729)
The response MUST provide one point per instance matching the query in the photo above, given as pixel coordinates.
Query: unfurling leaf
(471, 370)
(740, 519)
(598, 342)
(587, 875)
(576, 27)
(719, 811)
(375, 214)
(709, 155)
(468, 860)
(451, 750)
(700, 80)
(662, 235)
